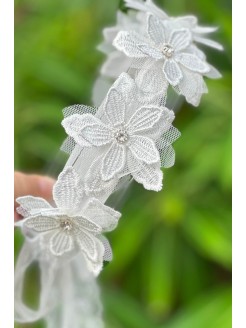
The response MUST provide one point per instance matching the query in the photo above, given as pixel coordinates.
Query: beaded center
(121, 136)
(167, 50)
(66, 225)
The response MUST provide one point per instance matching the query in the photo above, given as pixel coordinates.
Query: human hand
(31, 184)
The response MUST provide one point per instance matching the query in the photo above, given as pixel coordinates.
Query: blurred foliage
(172, 249)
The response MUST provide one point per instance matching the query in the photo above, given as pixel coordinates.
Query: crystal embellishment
(167, 51)
(66, 225)
(121, 136)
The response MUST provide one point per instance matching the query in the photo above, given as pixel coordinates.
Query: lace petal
(115, 64)
(94, 185)
(30, 204)
(41, 223)
(180, 39)
(108, 254)
(90, 245)
(66, 192)
(102, 215)
(113, 161)
(87, 130)
(213, 73)
(144, 118)
(93, 251)
(209, 43)
(73, 125)
(149, 175)
(60, 243)
(115, 107)
(144, 149)
(192, 62)
(128, 43)
(151, 51)
(172, 72)
(156, 30)
(82, 224)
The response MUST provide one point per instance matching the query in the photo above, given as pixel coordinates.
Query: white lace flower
(171, 50)
(70, 226)
(164, 43)
(192, 84)
(199, 33)
(116, 62)
(126, 136)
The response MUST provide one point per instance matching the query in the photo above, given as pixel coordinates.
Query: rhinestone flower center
(66, 225)
(121, 136)
(167, 50)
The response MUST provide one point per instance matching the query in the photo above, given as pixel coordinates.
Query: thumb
(32, 184)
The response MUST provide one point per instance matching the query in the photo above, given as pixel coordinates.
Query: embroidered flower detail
(186, 77)
(199, 33)
(125, 136)
(117, 62)
(166, 44)
(72, 224)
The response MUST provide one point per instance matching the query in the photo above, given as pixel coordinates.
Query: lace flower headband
(129, 136)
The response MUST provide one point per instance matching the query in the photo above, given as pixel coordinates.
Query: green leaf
(211, 310)
(210, 233)
(125, 310)
(159, 282)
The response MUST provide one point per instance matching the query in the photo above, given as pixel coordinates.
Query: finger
(32, 184)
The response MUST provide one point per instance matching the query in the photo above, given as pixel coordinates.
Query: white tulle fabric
(127, 136)
(69, 294)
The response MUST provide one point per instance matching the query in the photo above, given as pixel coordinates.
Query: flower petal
(115, 107)
(144, 118)
(189, 21)
(129, 42)
(208, 42)
(102, 215)
(172, 72)
(149, 175)
(89, 244)
(192, 62)
(146, 6)
(180, 39)
(115, 64)
(192, 86)
(66, 192)
(113, 161)
(144, 149)
(213, 73)
(94, 185)
(87, 130)
(41, 223)
(60, 243)
(82, 224)
(93, 250)
(156, 30)
(73, 125)
(31, 205)
(108, 254)
(151, 51)
(152, 84)
(192, 49)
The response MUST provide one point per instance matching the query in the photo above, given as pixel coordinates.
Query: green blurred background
(172, 249)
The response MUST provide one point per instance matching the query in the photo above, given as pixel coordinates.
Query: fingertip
(45, 184)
